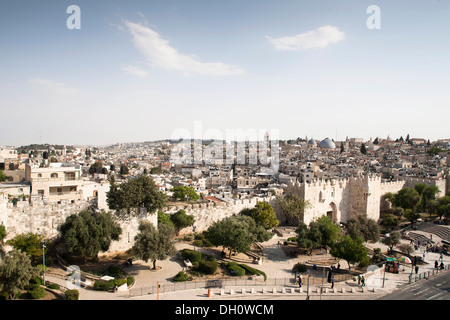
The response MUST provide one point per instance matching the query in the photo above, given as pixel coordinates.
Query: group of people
(439, 266)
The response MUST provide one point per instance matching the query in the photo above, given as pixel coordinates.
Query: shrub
(250, 270)
(36, 292)
(299, 267)
(53, 286)
(182, 276)
(72, 294)
(130, 281)
(36, 280)
(207, 267)
(198, 243)
(199, 236)
(207, 243)
(119, 282)
(188, 237)
(103, 285)
(236, 270)
(193, 256)
(115, 272)
(4, 296)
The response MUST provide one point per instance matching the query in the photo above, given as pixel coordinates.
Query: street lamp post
(43, 258)
(307, 288)
(193, 230)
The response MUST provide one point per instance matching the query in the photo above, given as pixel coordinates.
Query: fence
(427, 274)
(222, 283)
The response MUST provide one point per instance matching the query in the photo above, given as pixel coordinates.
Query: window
(70, 176)
(54, 175)
(39, 175)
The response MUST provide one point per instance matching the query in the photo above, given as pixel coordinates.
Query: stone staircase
(441, 231)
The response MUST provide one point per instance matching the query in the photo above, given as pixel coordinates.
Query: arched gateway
(332, 212)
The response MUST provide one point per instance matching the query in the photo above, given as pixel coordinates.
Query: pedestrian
(436, 264)
(332, 282)
(300, 281)
(363, 281)
(417, 269)
(338, 267)
(359, 279)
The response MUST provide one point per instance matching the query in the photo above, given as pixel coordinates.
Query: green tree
(321, 232)
(351, 250)
(236, 233)
(3, 177)
(363, 227)
(411, 215)
(443, 209)
(392, 239)
(407, 198)
(124, 169)
(96, 167)
(156, 170)
(134, 193)
(291, 205)
(263, 214)
(184, 193)
(434, 151)
(164, 218)
(152, 244)
(181, 220)
(432, 207)
(428, 194)
(30, 243)
(16, 272)
(86, 234)
(2, 234)
(363, 149)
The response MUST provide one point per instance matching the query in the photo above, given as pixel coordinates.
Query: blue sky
(140, 70)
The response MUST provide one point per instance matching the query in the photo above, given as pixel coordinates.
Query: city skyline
(138, 71)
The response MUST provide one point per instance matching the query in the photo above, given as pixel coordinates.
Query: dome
(327, 144)
(312, 142)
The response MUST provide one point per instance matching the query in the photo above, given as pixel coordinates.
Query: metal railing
(222, 283)
(427, 274)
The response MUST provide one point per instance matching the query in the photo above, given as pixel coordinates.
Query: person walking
(363, 281)
(300, 281)
(332, 282)
(359, 279)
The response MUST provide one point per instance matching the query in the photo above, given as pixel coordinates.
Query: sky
(132, 71)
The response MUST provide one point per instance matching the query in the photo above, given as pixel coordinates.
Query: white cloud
(135, 71)
(52, 86)
(160, 54)
(319, 38)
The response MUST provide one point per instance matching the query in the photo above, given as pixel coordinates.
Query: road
(435, 288)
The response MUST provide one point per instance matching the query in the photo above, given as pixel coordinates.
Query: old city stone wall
(44, 218)
(205, 214)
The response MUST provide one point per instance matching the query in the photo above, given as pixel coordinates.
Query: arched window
(39, 175)
(54, 175)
